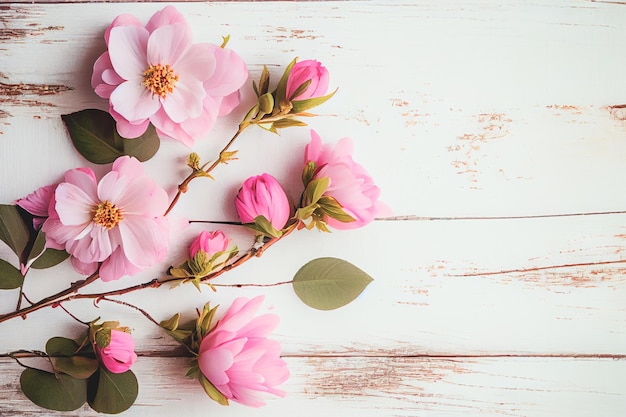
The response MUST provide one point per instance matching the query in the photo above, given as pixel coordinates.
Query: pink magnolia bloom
(154, 73)
(239, 359)
(210, 242)
(350, 184)
(304, 71)
(262, 195)
(120, 354)
(118, 221)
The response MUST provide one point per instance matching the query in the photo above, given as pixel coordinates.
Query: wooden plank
(442, 387)
(441, 287)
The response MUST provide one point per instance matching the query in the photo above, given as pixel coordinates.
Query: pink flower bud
(210, 242)
(262, 195)
(238, 358)
(304, 71)
(119, 355)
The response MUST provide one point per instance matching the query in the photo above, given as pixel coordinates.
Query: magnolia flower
(117, 221)
(156, 74)
(307, 71)
(262, 195)
(119, 354)
(238, 359)
(350, 184)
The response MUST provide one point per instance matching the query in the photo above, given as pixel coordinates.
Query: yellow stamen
(107, 215)
(160, 79)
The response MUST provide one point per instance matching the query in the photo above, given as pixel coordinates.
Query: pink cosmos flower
(304, 71)
(154, 73)
(262, 195)
(117, 221)
(120, 354)
(239, 359)
(210, 242)
(350, 184)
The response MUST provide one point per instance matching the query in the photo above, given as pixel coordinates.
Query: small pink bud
(119, 355)
(210, 242)
(304, 71)
(262, 195)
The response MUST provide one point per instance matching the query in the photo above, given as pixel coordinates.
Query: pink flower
(262, 195)
(304, 71)
(117, 221)
(119, 355)
(156, 74)
(238, 359)
(350, 184)
(210, 242)
(37, 204)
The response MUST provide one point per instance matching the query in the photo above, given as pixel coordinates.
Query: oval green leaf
(77, 366)
(10, 276)
(14, 230)
(329, 283)
(112, 393)
(39, 245)
(55, 392)
(95, 137)
(61, 346)
(49, 258)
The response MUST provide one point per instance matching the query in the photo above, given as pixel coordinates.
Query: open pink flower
(303, 71)
(119, 355)
(239, 359)
(262, 195)
(154, 73)
(350, 184)
(117, 221)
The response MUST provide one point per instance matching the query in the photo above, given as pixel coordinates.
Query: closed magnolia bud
(307, 79)
(262, 195)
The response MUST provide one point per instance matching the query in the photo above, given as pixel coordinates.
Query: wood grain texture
(497, 135)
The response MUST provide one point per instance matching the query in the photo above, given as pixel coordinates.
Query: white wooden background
(497, 132)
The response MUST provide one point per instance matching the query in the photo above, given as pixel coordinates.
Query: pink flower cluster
(156, 74)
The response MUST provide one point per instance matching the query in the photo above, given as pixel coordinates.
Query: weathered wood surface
(498, 135)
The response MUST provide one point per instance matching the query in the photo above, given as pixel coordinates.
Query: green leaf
(171, 323)
(211, 391)
(14, 230)
(112, 393)
(315, 189)
(95, 137)
(77, 366)
(263, 226)
(266, 103)
(281, 88)
(303, 105)
(55, 392)
(329, 283)
(287, 122)
(10, 276)
(332, 208)
(61, 346)
(39, 245)
(50, 258)
(264, 81)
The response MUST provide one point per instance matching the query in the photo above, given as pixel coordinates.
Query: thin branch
(60, 305)
(538, 268)
(124, 303)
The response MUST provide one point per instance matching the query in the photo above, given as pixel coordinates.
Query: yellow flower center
(107, 215)
(160, 79)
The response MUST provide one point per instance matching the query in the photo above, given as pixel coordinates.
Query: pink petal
(134, 102)
(229, 103)
(84, 268)
(73, 205)
(167, 44)
(144, 240)
(127, 49)
(167, 16)
(127, 129)
(121, 20)
(37, 202)
(215, 365)
(230, 72)
(166, 128)
(117, 266)
(185, 101)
